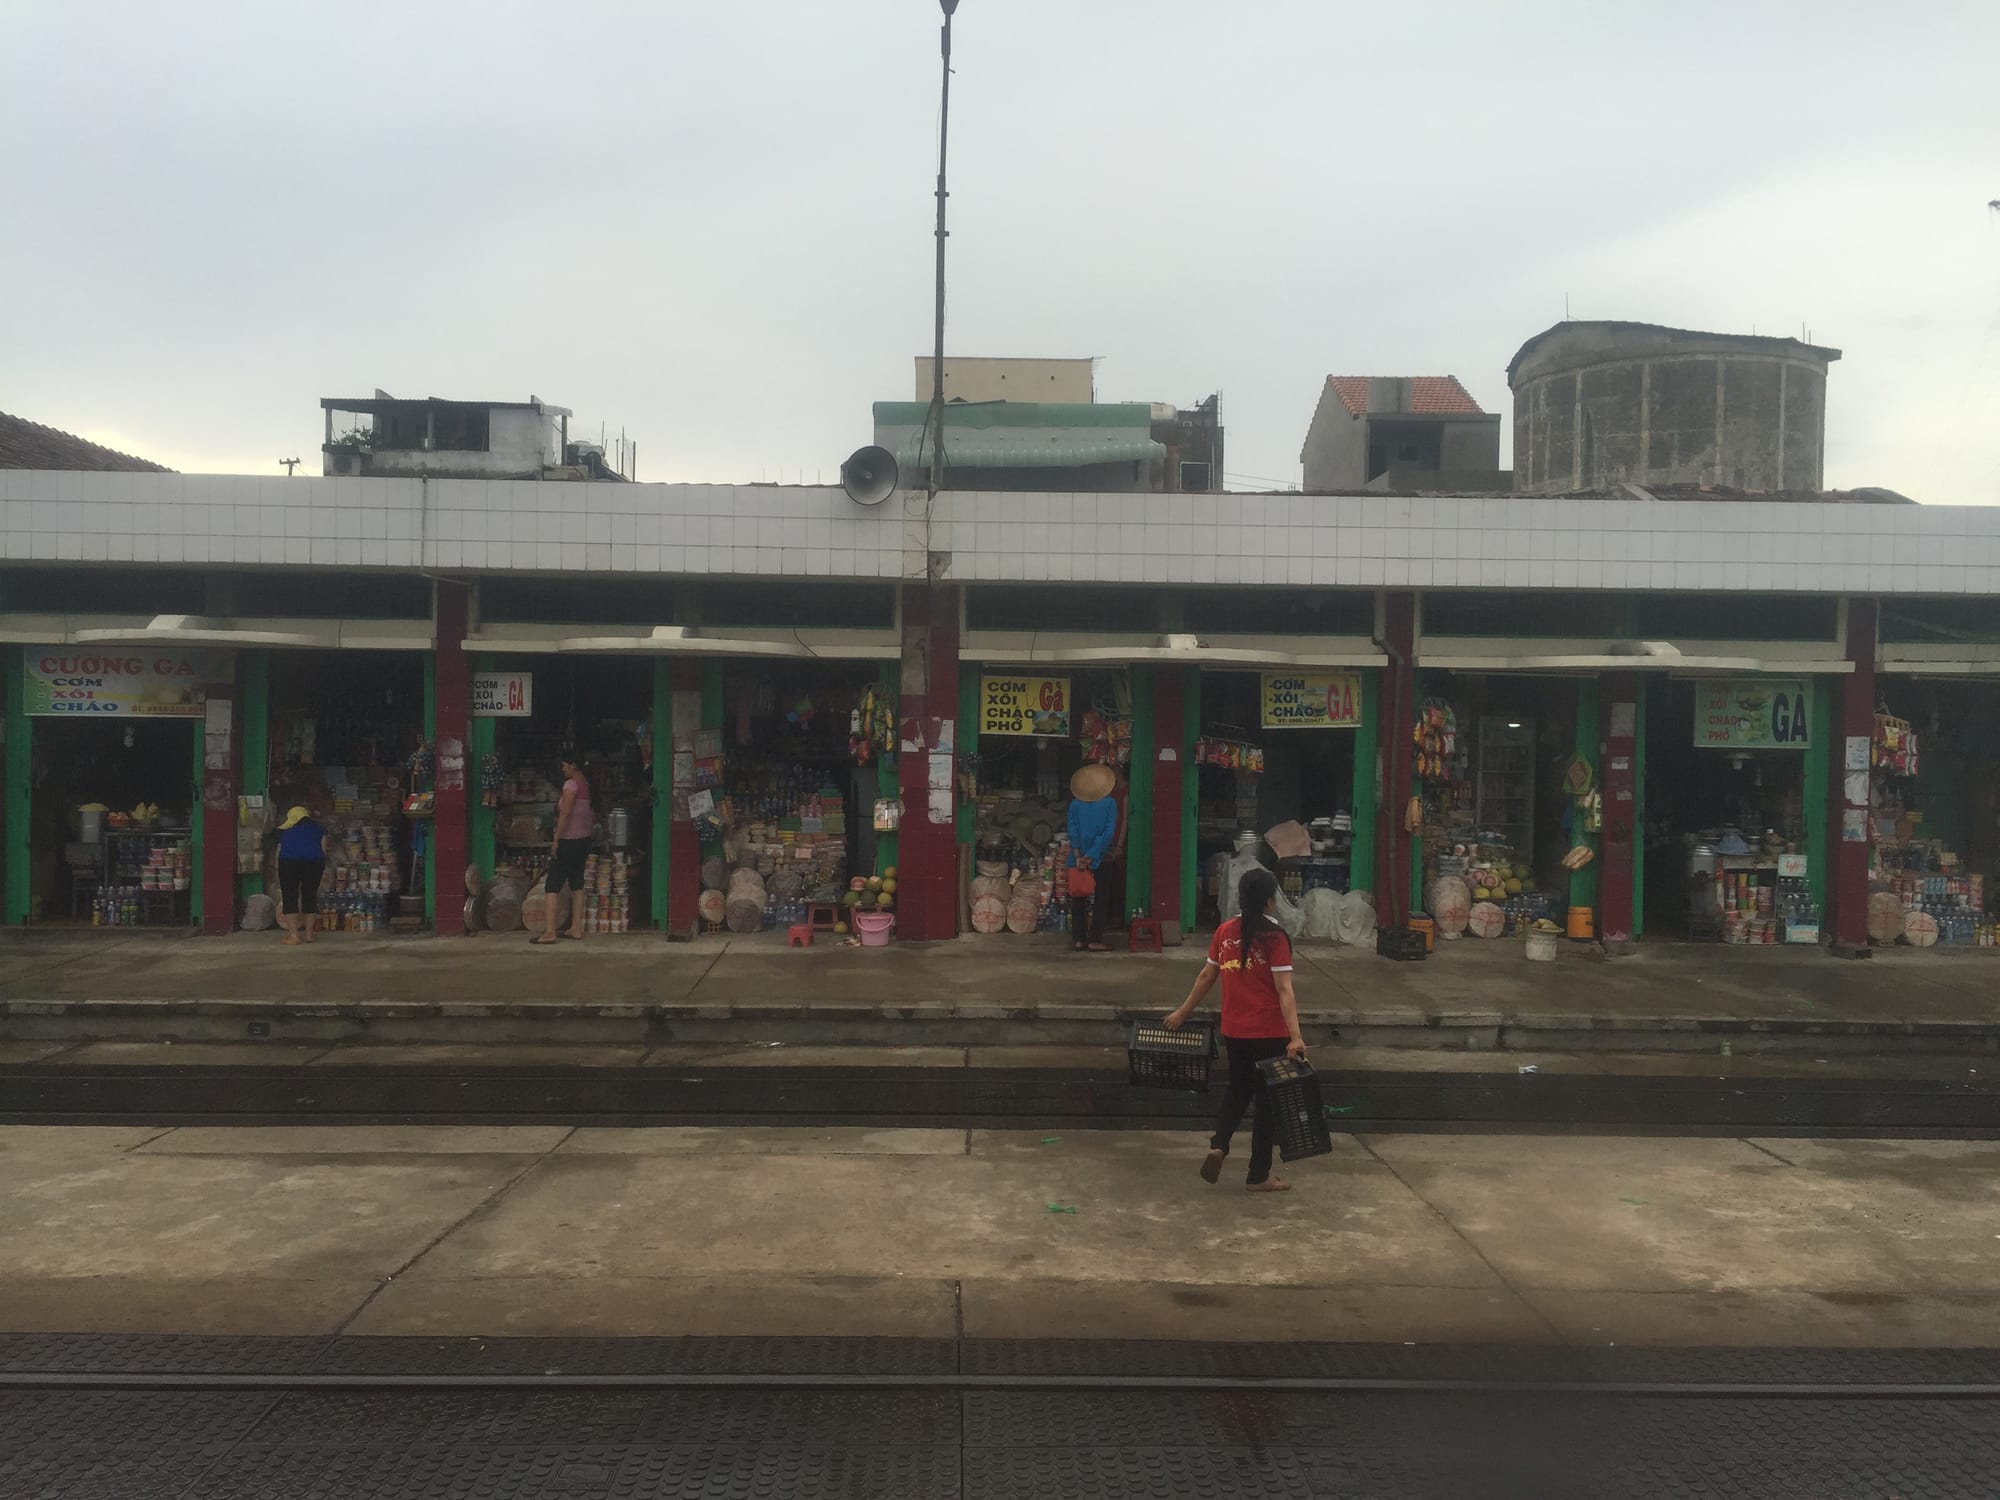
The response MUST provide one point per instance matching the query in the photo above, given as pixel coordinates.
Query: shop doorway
(798, 798)
(346, 742)
(128, 859)
(1019, 788)
(1934, 799)
(1252, 776)
(1728, 829)
(598, 709)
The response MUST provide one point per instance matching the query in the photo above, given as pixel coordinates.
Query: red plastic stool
(822, 916)
(1143, 930)
(799, 937)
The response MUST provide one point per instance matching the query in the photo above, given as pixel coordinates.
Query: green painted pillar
(888, 788)
(1583, 883)
(1139, 794)
(254, 688)
(481, 820)
(430, 738)
(19, 793)
(968, 741)
(1639, 809)
(1825, 760)
(1190, 801)
(1365, 801)
(711, 718)
(659, 880)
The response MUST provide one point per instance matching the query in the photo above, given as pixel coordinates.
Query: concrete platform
(638, 990)
(933, 1234)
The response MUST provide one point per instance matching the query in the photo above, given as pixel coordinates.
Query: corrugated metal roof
(1020, 434)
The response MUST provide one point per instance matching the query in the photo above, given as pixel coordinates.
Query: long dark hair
(1253, 894)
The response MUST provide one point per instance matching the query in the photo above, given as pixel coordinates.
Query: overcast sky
(709, 223)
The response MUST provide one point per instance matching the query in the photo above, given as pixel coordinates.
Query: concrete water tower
(1598, 403)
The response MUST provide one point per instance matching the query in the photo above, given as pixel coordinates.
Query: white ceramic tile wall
(767, 531)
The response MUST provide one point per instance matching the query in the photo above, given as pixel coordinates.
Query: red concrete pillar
(1170, 758)
(450, 834)
(927, 843)
(1848, 871)
(1618, 845)
(221, 780)
(1398, 759)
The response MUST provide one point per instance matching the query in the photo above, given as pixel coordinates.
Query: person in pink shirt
(575, 822)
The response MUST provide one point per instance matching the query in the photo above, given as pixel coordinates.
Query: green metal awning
(1020, 435)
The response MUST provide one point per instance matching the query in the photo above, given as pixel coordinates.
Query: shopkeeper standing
(301, 866)
(1093, 825)
(568, 854)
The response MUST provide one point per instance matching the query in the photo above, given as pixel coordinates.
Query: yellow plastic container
(1582, 925)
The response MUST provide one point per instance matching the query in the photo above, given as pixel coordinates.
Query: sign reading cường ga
(134, 682)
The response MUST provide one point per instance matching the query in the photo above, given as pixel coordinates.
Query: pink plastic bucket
(874, 927)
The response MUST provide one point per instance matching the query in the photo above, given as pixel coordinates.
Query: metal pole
(937, 347)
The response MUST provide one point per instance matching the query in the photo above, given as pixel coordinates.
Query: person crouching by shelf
(302, 844)
(1093, 823)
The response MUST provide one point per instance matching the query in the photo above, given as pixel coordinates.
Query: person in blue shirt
(301, 865)
(1093, 823)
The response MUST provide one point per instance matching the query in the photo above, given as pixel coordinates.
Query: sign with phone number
(1024, 706)
(1312, 700)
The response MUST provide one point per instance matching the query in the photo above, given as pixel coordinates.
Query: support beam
(927, 887)
(1820, 804)
(212, 855)
(1589, 748)
(1190, 801)
(1393, 843)
(482, 850)
(1139, 808)
(1857, 720)
(253, 678)
(1365, 796)
(17, 892)
(659, 883)
(451, 732)
(1617, 853)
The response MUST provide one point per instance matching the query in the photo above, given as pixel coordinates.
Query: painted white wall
(1349, 541)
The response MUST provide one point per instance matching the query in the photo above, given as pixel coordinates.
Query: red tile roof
(1430, 395)
(30, 445)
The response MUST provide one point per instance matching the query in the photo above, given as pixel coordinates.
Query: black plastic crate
(1399, 943)
(1161, 1059)
(1291, 1093)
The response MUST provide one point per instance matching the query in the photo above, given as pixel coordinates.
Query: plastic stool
(799, 937)
(822, 916)
(1144, 930)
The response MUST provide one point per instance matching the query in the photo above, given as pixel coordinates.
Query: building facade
(205, 643)
(1401, 433)
(1601, 403)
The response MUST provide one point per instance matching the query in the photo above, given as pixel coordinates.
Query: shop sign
(59, 681)
(1312, 700)
(503, 695)
(1024, 705)
(1756, 713)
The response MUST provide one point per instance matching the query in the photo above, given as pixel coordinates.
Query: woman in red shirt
(1260, 1019)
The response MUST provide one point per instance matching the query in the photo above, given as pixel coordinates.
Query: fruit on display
(888, 885)
(890, 873)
